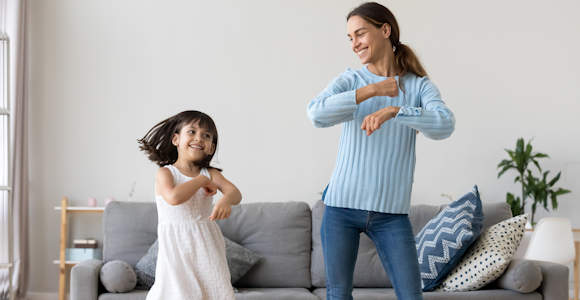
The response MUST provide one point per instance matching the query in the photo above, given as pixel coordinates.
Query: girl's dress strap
(205, 172)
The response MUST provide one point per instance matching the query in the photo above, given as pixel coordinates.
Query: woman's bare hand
(388, 87)
(374, 121)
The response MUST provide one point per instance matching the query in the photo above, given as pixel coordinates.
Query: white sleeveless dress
(191, 263)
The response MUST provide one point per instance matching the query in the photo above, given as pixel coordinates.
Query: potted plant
(539, 189)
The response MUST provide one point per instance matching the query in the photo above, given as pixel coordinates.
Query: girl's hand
(374, 121)
(388, 87)
(210, 188)
(221, 210)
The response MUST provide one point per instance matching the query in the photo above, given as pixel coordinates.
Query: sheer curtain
(13, 25)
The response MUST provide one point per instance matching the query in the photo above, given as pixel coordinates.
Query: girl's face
(367, 41)
(193, 142)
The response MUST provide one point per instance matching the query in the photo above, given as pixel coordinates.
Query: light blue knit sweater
(375, 172)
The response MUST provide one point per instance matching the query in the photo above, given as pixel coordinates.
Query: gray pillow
(523, 276)
(118, 276)
(145, 268)
(240, 261)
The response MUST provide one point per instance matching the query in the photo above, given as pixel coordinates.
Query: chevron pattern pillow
(444, 239)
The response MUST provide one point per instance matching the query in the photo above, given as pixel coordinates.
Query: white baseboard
(41, 296)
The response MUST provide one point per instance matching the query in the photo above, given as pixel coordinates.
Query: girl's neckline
(177, 169)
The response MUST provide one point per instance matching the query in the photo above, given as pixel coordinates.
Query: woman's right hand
(388, 87)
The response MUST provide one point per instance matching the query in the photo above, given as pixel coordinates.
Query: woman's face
(367, 41)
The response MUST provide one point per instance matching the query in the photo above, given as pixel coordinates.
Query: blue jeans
(393, 238)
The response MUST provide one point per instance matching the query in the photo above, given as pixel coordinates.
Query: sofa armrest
(84, 280)
(555, 280)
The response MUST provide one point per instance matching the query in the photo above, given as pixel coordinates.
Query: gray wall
(102, 72)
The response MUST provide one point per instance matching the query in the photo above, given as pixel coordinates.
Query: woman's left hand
(374, 121)
(221, 210)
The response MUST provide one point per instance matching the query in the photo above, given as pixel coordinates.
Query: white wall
(102, 72)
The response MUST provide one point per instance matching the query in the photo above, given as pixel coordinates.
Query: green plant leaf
(537, 164)
(504, 162)
(554, 201)
(562, 191)
(503, 170)
(528, 149)
(555, 179)
(520, 145)
(512, 154)
(514, 203)
(540, 155)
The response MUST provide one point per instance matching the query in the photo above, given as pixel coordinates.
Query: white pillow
(487, 258)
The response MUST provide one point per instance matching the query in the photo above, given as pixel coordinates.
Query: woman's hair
(378, 15)
(157, 142)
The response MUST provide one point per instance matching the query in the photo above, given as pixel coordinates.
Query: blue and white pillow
(444, 239)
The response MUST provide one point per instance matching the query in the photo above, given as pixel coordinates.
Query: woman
(382, 107)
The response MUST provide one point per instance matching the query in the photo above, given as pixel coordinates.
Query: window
(5, 178)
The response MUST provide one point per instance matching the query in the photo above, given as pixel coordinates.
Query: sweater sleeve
(336, 103)
(434, 119)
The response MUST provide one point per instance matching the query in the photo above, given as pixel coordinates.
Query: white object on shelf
(68, 262)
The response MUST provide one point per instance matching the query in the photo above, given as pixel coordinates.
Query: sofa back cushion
(129, 229)
(280, 233)
(369, 271)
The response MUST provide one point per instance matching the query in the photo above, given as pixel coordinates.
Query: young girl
(191, 262)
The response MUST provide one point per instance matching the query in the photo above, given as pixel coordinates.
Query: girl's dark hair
(378, 15)
(157, 142)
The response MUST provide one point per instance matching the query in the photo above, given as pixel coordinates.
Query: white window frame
(5, 111)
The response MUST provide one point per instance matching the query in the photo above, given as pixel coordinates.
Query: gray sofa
(287, 236)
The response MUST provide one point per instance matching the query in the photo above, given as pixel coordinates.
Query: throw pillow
(145, 267)
(445, 238)
(489, 256)
(118, 276)
(240, 261)
(524, 276)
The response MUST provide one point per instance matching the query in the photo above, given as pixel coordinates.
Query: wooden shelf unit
(65, 210)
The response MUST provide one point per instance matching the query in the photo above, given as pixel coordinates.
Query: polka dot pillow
(488, 258)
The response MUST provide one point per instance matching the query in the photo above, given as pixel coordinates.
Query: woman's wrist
(365, 93)
(395, 111)
(391, 111)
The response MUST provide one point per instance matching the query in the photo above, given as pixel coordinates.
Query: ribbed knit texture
(375, 172)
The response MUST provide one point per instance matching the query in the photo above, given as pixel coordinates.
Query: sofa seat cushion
(389, 294)
(274, 294)
(241, 294)
(132, 295)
